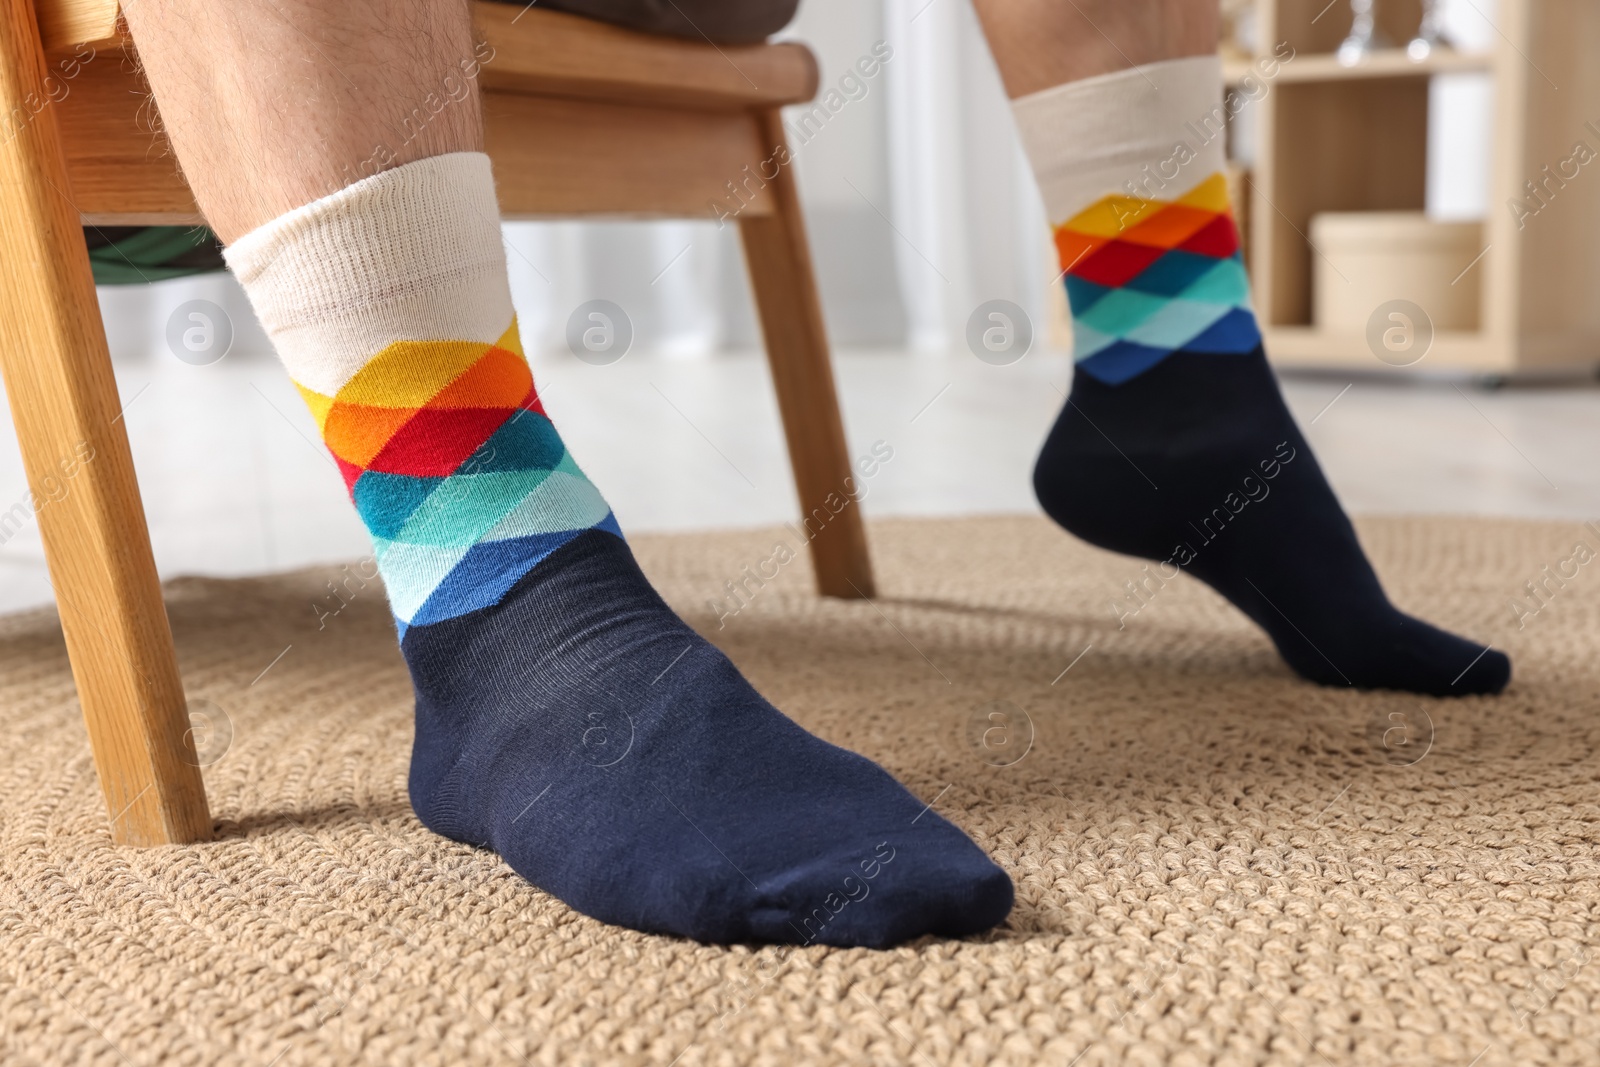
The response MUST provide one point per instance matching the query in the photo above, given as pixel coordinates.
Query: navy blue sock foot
(618, 761)
(566, 718)
(1197, 464)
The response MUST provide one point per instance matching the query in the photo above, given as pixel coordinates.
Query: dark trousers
(722, 21)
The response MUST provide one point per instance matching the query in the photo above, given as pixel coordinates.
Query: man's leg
(565, 716)
(1175, 443)
(1040, 44)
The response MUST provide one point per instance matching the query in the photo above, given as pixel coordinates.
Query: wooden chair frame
(581, 119)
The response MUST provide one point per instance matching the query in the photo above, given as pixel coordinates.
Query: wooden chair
(581, 118)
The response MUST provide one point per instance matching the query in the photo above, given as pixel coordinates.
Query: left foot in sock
(1198, 464)
(1175, 444)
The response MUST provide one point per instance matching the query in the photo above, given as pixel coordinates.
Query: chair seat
(554, 54)
(581, 117)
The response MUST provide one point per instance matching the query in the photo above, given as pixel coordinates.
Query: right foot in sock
(617, 760)
(566, 718)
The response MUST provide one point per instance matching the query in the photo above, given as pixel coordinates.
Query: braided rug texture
(1215, 862)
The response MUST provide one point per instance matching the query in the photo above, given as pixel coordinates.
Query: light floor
(235, 481)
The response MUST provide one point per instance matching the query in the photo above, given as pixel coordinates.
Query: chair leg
(779, 260)
(64, 403)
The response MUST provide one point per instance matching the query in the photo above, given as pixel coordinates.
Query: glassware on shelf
(1363, 36)
(1430, 34)
(1238, 40)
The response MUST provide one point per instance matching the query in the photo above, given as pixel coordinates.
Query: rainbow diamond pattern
(457, 472)
(1147, 278)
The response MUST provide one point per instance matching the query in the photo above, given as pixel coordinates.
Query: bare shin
(271, 104)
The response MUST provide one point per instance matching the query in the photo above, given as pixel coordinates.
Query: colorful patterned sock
(1147, 278)
(565, 717)
(457, 472)
(1175, 443)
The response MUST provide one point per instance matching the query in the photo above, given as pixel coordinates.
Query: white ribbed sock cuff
(411, 254)
(1089, 139)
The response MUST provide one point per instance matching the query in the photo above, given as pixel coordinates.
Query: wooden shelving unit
(1335, 138)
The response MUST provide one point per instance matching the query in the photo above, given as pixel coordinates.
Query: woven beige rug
(1215, 862)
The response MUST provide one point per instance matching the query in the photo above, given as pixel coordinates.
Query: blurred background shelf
(1306, 346)
(1382, 63)
(1332, 138)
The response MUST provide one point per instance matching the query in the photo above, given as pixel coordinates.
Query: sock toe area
(908, 884)
(1398, 652)
(1487, 675)
(1421, 658)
